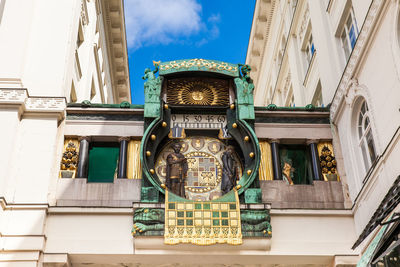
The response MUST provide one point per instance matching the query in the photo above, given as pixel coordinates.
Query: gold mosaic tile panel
(202, 223)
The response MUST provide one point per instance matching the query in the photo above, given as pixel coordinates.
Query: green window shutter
(102, 164)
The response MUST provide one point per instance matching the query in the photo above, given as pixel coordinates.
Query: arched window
(365, 137)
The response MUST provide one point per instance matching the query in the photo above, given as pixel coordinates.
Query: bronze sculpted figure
(177, 168)
(245, 88)
(152, 91)
(228, 170)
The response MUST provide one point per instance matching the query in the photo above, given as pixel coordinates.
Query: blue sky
(179, 29)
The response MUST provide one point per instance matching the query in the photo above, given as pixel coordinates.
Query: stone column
(316, 167)
(83, 162)
(123, 153)
(276, 160)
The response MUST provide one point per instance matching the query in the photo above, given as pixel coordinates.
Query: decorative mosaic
(202, 223)
(203, 181)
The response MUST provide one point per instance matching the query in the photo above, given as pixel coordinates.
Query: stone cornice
(356, 56)
(19, 98)
(114, 24)
(259, 36)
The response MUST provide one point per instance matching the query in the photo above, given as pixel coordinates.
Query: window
(293, 4)
(310, 49)
(349, 34)
(296, 164)
(365, 137)
(290, 97)
(92, 90)
(317, 98)
(103, 162)
(72, 94)
(80, 37)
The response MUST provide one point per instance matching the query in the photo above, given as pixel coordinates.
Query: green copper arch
(196, 64)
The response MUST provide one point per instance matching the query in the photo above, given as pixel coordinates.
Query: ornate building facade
(289, 160)
(342, 55)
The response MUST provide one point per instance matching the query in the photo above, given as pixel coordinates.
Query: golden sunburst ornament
(194, 91)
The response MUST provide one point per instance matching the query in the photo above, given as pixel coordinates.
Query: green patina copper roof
(273, 107)
(87, 104)
(199, 65)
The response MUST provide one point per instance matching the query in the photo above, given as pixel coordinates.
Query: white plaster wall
(298, 237)
(328, 64)
(37, 48)
(379, 84)
(14, 36)
(10, 118)
(89, 234)
(33, 162)
(311, 234)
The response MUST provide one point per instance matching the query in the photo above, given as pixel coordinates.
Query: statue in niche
(177, 168)
(229, 174)
(287, 167)
(245, 88)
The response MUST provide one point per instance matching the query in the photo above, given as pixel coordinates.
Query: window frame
(309, 49)
(348, 42)
(365, 136)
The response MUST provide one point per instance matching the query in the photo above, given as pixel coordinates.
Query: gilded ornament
(199, 63)
(148, 153)
(152, 171)
(69, 160)
(232, 106)
(198, 91)
(163, 186)
(166, 106)
(234, 125)
(248, 172)
(238, 186)
(246, 138)
(153, 137)
(164, 124)
(251, 154)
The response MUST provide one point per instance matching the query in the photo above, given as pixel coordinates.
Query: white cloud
(212, 30)
(161, 21)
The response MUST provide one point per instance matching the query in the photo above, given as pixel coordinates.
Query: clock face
(203, 154)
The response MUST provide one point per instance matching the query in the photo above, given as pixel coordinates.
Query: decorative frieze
(32, 104)
(45, 104)
(304, 23)
(10, 96)
(84, 13)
